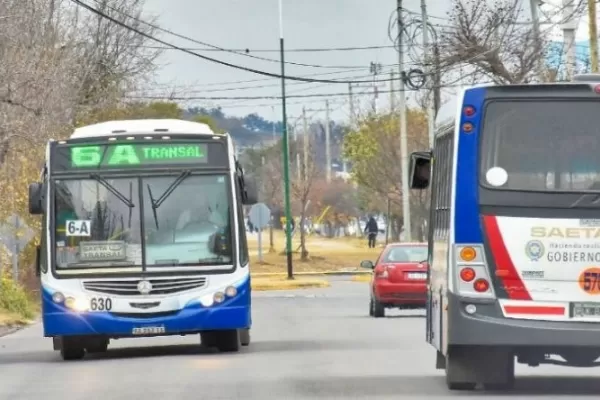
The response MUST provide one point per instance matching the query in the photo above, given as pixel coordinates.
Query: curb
(9, 330)
(314, 273)
(269, 286)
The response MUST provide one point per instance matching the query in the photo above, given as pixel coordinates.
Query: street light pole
(285, 145)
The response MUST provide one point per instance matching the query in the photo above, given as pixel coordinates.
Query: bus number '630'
(101, 304)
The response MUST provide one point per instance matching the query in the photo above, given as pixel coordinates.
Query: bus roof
(142, 126)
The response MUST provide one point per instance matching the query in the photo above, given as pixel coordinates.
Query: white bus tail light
(469, 254)
(481, 285)
(467, 274)
(473, 278)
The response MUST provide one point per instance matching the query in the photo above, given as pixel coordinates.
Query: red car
(399, 278)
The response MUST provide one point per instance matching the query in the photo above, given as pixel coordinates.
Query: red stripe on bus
(534, 310)
(505, 269)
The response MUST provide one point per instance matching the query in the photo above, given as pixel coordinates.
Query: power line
(299, 50)
(244, 53)
(214, 60)
(297, 96)
(196, 89)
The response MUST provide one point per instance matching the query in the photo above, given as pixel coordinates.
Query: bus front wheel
(228, 341)
(71, 349)
(245, 336)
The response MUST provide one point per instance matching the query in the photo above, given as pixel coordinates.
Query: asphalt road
(310, 344)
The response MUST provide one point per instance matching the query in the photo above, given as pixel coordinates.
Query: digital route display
(136, 155)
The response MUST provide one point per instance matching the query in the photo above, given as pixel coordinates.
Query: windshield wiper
(112, 189)
(154, 207)
(158, 202)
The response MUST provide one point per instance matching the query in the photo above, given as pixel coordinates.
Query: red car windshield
(405, 254)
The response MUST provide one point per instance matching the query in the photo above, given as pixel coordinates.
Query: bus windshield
(543, 145)
(98, 221)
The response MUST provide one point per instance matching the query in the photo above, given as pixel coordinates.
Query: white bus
(143, 235)
(514, 232)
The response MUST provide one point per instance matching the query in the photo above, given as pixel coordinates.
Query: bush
(14, 298)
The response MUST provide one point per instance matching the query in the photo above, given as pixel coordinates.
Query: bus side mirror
(38, 261)
(249, 191)
(420, 169)
(219, 244)
(35, 198)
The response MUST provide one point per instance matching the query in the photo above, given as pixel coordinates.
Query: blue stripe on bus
(234, 313)
(467, 224)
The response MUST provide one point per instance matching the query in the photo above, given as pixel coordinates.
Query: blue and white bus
(514, 231)
(143, 235)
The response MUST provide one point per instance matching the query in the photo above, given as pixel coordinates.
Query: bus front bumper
(233, 313)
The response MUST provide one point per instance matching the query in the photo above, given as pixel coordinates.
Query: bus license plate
(417, 276)
(583, 310)
(148, 330)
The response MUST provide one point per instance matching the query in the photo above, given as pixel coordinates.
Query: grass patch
(338, 254)
(16, 307)
(281, 283)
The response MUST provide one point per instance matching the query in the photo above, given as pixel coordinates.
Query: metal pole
(428, 55)
(403, 128)
(593, 35)
(327, 143)
(285, 145)
(535, 20)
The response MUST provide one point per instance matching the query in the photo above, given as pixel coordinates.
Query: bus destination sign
(137, 155)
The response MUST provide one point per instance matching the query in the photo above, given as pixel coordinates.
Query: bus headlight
(207, 301)
(219, 297)
(230, 291)
(76, 304)
(58, 297)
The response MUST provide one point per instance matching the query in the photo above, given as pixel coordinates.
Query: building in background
(556, 57)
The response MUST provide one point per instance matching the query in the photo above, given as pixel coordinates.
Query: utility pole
(569, 26)
(535, 20)
(403, 128)
(305, 145)
(375, 69)
(286, 153)
(327, 144)
(428, 55)
(593, 35)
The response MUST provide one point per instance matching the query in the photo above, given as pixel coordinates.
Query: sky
(254, 25)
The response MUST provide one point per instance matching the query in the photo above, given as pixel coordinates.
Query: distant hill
(254, 131)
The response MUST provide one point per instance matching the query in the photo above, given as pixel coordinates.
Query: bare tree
(54, 59)
(301, 189)
(492, 39)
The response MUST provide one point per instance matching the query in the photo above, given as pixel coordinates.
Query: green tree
(374, 151)
(208, 120)
(153, 110)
